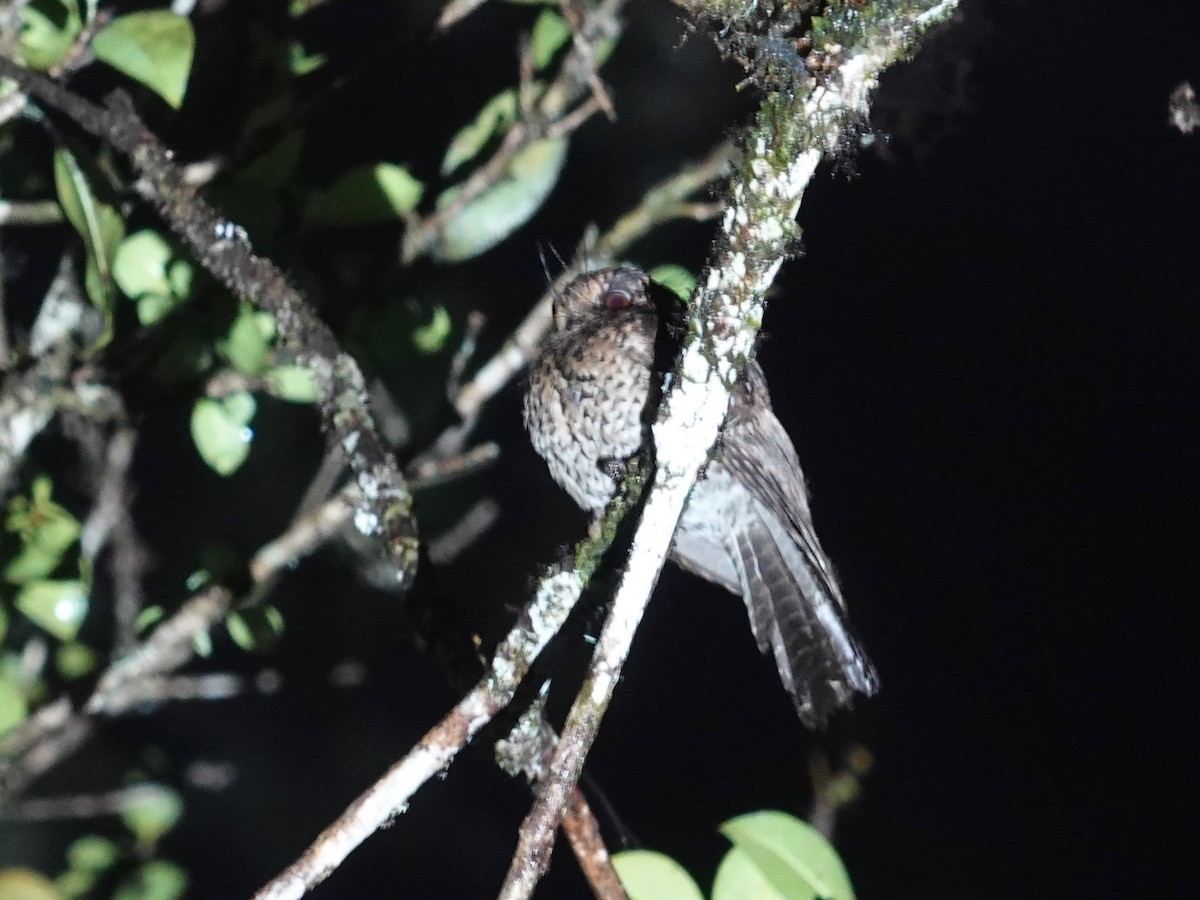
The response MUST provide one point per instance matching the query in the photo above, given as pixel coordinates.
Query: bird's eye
(617, 299)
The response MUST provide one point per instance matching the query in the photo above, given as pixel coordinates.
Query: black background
(986, 358)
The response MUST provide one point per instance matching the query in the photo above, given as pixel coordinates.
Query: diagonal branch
(224, 249)
(556, 596)
(788, 138)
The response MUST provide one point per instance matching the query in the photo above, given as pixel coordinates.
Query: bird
(592, 393)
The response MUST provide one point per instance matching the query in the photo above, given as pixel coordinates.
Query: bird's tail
(798, 617)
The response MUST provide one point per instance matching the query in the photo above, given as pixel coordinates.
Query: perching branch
(553, 601)
(788, 138)
(664, 202)
(225, 251)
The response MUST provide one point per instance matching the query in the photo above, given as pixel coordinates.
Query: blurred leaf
(202, 644)
(793, 857)
(100, 226)
(154, 47)
(678, 280)
(647, 875)
(148, 617)
(292, 383)
(74, 883)
(375, 193)
(503, 208)
(248, 344)
(57, 607)
(140, 264)
(74, 660)
(738, 878)
(550, 32)
(3, 623)
(92, 853)
(26, 884)
(500, 111)
(432, 337)
(158, 879)
(48, 29)
(13, 708)
(255, 628)
(151, 812)
(302, 62)
(46, 530)
(146, 270)
(276, 166)
(603, 49)
(221, 430)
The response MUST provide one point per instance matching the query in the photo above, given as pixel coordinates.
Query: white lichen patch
(366, 522)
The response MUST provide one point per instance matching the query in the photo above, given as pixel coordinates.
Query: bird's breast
(585, 407)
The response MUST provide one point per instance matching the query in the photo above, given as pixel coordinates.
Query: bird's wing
(791, 593)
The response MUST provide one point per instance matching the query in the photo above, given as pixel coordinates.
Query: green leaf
(48, 31)
(151, 812)
(550, 32)
(301, 62)
(100, 226)
(57, 607)
(26, 884)
(793, 857)
(292, 383)
(432, 337)
(148, 617)
(147, 270)
(497, 113)
(738, 878)
(154, 47)
(202, 644)
(276, 166)
(140, 264)
(678, 280)
(221, 430)
(255, 628)
(603, 50)
(3, 624)
(46, 530)
(75, 883)
(503, 208)
(159, 879)
(248, 344)
(13, 708)
(647, 875)
(74, 660)
(92, 853)
(376, 193)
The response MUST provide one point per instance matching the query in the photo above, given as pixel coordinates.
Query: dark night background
(987, 359)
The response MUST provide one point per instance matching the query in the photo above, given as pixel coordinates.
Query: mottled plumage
(592, 395)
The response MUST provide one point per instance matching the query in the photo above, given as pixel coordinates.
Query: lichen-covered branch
(790, 134)
(225, 251)
(555, 597)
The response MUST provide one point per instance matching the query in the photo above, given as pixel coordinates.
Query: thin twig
(466, 349)
(80, 806)
(446, 547)
(552, 116)
(456, 11)
(30, 212)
